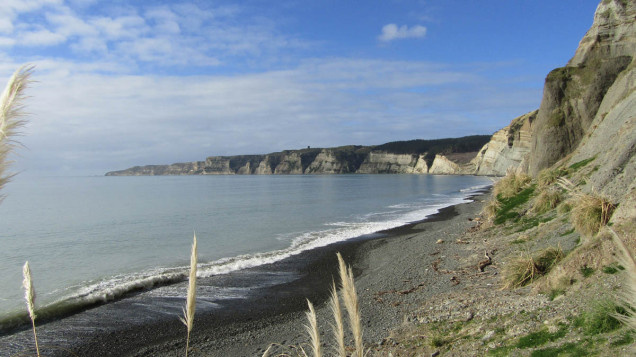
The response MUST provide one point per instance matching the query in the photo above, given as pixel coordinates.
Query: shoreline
(274, 314)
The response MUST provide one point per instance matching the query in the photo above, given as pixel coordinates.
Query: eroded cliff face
(508, 147)
(444, 166)
(573, 94)
(388, 163)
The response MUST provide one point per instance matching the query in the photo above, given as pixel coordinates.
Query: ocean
(93, 240)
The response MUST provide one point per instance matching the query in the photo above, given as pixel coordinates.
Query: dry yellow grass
(525, 269)
(548, 198)
(350, 298)
(338, 326)
(590, 212)
(511, 184)
(312, 330)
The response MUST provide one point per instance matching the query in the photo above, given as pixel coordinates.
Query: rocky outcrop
(443, 166)
(508, 147)
(573, 94)
(343, 160)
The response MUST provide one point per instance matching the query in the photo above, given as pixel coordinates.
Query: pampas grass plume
(628, 295)
(350, 298)
(312, 329)
(29, 296)
(338, 326)
(10, 114)
(188, 312)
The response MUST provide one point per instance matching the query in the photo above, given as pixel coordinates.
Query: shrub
(511, 184)
(590, 212)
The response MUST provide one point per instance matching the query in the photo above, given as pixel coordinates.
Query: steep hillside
(573, 95)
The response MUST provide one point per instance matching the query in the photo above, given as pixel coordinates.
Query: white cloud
(93, 122)
(42, 38)
(181, 34)
(392, 32)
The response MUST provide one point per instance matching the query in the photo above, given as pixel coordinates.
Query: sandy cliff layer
(413, 157)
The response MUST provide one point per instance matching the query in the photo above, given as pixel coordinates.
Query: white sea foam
(345, 226)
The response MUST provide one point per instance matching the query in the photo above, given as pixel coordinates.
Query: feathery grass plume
(10, 114)
(512, 183)
(29, 296)
(628, 295)
(188, 312)
(350, 298)
(338, 326)
(312, 329)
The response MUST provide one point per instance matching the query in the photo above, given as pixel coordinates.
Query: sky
(125, 83)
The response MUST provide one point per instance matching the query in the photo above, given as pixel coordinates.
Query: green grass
(541, 337)
(527, 223)
(577, 165)
(554, 293)
(566, 349)
(601, 319)
(587, 271)
(567, 233)
(612, 269)
(506, 212)
(625, 339)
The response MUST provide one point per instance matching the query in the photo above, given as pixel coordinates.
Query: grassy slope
(567, 312)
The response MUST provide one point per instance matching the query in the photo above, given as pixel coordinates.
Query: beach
(395, 271)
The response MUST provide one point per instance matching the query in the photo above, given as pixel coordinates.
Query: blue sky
(123, 83)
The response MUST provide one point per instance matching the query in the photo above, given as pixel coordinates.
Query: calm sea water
(93, 239)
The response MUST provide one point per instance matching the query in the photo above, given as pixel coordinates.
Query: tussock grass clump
(548, 198)
(511, 184)
(11, 114)
(489, 212)
(548, 176)
(524, 269)
(590, 212)
(604, 317)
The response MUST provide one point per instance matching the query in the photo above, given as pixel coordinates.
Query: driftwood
(484, 263)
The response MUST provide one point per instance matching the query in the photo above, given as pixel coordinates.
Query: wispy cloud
(184, 34)
(392, 32)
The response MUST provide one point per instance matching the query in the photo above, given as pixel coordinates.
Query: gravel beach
(395, 271)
